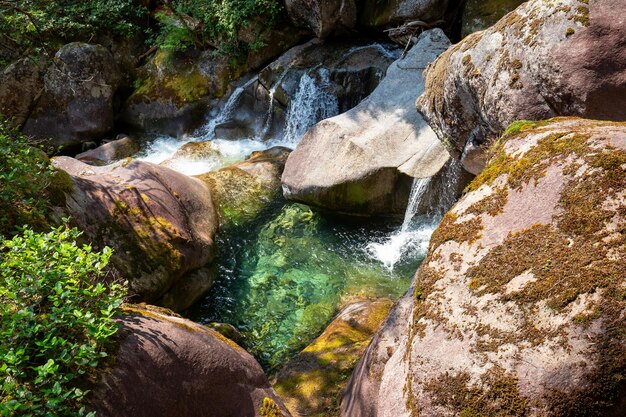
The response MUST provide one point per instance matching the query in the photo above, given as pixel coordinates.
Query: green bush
(25, 173)
(213, 23)
(56, 322)
(36, 26)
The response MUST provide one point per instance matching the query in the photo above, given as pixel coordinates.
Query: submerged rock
(481, 14)
(542, 60)
(243, 190)
(519, 307)
(110, 152)
(161, 225)
(20, 85)
(76, 105)
(360, 162)
(312, 383)
(169, 366)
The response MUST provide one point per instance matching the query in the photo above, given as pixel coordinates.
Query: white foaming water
(406, 241)
(402, 244)
(311, 104)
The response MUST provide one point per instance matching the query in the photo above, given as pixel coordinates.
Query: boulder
(482, 14)
(545, 59)
(519, 307)
(173, 92)
(323, 18)
(172, 367)
(161, 225)
(110, 152)
(76, 105)
(20, 85)
(243, 190)
(387, 13)
(306, 84)
(312, 383)
(361, 162)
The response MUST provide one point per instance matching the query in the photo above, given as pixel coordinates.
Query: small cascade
(269, 116)
(312, 103)
(208, 130)
(419, 187)
(408, 239)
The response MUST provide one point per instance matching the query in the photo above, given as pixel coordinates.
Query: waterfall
(419, 187)
(311, 103)
(269, 116)
(208, 130)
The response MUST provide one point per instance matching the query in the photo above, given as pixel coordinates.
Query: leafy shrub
(213, 23)
(40, 25)
(56, 322)
(25, 173)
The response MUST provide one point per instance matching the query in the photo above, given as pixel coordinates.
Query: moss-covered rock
(312, 383)
(481, 14)
(527, 66)
(243, 190)
(161, 225)
(519, 307)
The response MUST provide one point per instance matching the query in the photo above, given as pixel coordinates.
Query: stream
(282, 277)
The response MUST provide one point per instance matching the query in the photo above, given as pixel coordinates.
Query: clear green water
(282, 279)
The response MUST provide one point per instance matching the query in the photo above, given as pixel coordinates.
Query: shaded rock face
(481, 14)
(312, 383)
(161, 225)
(544, 59)
(110, 152)
(360, 162)
(77, 103)
(323, 18)
(519, 307)
(20, 84)
(171, 367)
(175, 91)
(306, 84)
(388, 13)
(243, 190)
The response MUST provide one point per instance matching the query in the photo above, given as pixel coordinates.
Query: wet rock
(312, 383)
(518, 308)
(386, 13)
(194, 152)
(169, 366)
(306, 84)
(20, 85)
(360, 162)
(542, 60)
(482, 14)
(110, 152)
(76, 105)
(244, 189)
(323, 18)
(161, 225)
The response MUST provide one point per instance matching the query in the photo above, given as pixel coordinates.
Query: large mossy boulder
(312, 383)
(160, 223)
(165, 365)
(243, 190)
(76, 105)
(545, 59)
(20, 85)
(481, 14)
(361, 162)
(519, 308)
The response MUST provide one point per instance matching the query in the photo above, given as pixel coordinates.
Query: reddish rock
(168, 366)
